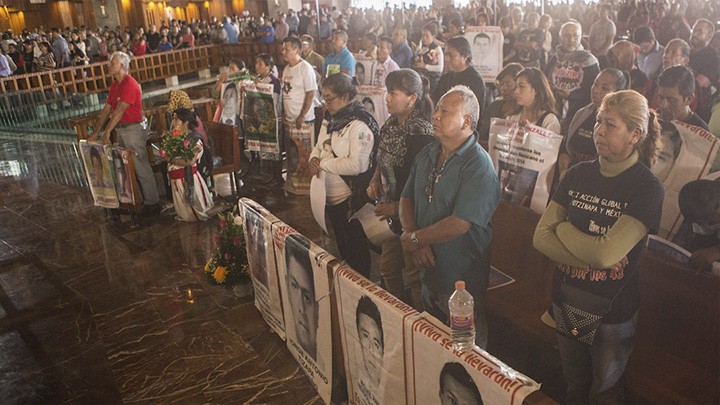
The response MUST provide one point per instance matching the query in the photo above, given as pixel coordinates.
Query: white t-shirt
(296, 81)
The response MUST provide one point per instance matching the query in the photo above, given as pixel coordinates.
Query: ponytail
(650, 147)
(424, 104)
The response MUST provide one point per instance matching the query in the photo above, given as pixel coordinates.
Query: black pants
(350, 238)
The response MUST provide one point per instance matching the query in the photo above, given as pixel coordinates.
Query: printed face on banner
(260, 118)
(230, 103)
(122, 175)
(364, 68)
(486, 46)
(255, 241)
(99, 174)
(373, 100)
(457, 386)
(670, 151)
(300, 287)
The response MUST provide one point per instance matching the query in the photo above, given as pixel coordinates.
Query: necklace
(435, 175)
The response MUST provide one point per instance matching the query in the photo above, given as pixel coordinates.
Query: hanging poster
(260, 119)
(440, 375)
(299, 145)
(687, 155)
(230, 102)
(124, 174)
(99, 174)
(373, 99)
(524, 157)
(371, 324)
(486, 44)
(304, 287)
(257, 227)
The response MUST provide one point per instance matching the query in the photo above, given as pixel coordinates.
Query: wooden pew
(677, 353)
(225, 141)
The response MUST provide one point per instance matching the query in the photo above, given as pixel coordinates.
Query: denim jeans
(593, 373)
(436, 304)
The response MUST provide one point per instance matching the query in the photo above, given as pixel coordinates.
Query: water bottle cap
(459, 285)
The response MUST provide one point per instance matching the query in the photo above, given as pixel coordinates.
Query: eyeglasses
(328, 100)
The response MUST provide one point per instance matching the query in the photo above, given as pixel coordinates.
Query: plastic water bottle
(462, 318)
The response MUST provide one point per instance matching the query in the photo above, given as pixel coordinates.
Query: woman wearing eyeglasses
(348, 165)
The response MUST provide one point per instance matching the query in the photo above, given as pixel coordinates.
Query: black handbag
(582, 312)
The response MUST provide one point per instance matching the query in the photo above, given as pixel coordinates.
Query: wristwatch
(414, 239)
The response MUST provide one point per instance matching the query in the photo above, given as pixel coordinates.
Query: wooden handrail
(93, 78)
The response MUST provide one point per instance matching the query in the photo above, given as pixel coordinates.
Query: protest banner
(260, 119)
(257, 227)
(687, 155)
(99, 173)
(438, 374)
(364, 69)
(230, 102)
(487, 50)
(299, 145)
(373, 99)
(304, 288)
(371, 324)
(524, 157)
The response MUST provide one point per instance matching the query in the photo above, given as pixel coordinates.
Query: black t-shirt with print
(593, 203)
(582, 143)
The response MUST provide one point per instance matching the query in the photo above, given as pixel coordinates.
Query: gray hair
(471, 106)
(124, 59)
(575, 23)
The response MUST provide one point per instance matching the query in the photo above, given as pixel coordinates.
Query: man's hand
(424, 257)
(299, 121)
(386, 210)
(407, 244)
(703, 259)
(374, 190)
(314, 167)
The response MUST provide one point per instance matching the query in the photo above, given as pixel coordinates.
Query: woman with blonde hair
(595, 228)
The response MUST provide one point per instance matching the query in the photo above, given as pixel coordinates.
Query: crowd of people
(609, 94)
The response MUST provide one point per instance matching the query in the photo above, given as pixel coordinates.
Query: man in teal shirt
(447, 206)
(340, 60)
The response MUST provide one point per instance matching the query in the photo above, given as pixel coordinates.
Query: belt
(178, 174)
(126, 124)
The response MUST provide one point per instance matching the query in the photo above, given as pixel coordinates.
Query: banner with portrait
(688, 154)
(126, 185)
(260, 119)
(304, 288)
(364, 69)
(524, 157)
(257, 228)
(99, 170)
(438, 374)
(299, 144)
(373, 99)
(486, 44)
(371, 324)
(230, 102)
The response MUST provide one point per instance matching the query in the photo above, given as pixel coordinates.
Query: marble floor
(97, 312)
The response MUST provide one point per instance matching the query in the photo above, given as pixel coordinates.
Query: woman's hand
(314, 167)
(374, 190)
(387, 210)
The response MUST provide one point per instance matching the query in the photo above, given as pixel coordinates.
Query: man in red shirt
(124, 110)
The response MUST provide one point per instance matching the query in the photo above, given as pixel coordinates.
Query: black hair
(386, 39)
(481, 35)
(410, 82)
(457, 23)
(544, 97)
(94, 154)
(359, 65)
(237, 62)
(458, 372)
(295, 42)
(372, 37)
(511, 69)
(367, 307)
(622, 78)
(187, 115)
(678, 76)
(266, 58)
(698, 201)
(643, 34)
(431, 28)
(341, 85)
(297, 248)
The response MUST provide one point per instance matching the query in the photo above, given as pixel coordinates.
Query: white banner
(257, 227)
(687, 155)
(99, 170)
(304, 286)
(524, 157)
(373, 99)
(371, 324)
(487, 50)
(440, 375)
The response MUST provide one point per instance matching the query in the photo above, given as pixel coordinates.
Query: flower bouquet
(177, 145)
(228, 265)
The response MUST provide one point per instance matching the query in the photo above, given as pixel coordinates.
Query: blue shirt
(651, 63)
(4, 66)
(468, 188)
(403, 55)
(343, 60)
(267, 39)
(230, 31)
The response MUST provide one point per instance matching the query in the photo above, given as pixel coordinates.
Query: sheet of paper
(377, 230)
(317, 199)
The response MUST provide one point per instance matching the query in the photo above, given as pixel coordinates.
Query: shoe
(150, 210)
(167, 207)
